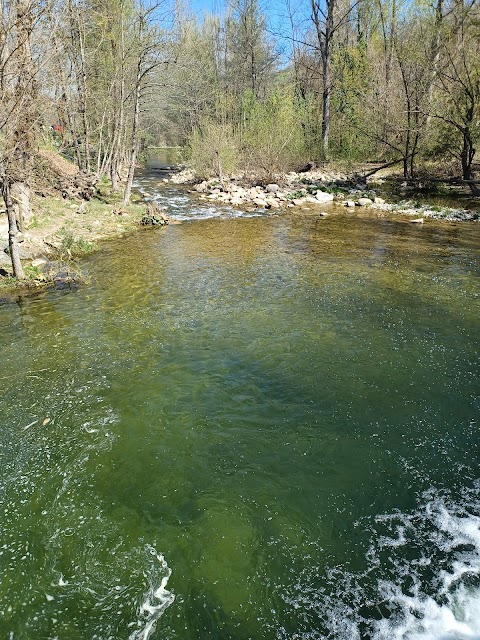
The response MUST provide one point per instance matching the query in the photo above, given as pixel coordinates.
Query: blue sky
(275, 10)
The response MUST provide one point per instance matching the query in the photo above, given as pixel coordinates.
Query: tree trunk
(434, 55)
(467, 155)
(117, 143)
(79, 62)
(326, 108)
(20, 196)
(134, 150)
(325, 35)
(12, 232)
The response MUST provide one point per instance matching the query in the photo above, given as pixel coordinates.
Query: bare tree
(19, 113)
(148, 50)
(328, 18)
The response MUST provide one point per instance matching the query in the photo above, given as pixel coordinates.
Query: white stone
(364, 202)
(321, 196)
(272, 188)
(38, 262)
(273, 204)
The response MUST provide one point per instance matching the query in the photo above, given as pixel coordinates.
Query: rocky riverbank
(62, 230)
(318, 189)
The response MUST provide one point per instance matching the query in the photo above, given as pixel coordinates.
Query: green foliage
(273, 138)
(300, 193)
(73, 246)
(353, 82)
(214, 149)
(266, 136)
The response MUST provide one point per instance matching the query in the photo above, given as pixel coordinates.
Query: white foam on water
(207, 213)
(422, 581)
(183, 208)
(452, 612)
(157, 600)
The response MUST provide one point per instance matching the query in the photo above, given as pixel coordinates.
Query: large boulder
(323, 197)
(365, 202)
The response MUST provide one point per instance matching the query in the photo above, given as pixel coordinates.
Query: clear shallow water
(259, 428)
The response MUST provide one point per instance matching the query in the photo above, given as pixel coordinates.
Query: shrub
(273, 139)
(213, 149)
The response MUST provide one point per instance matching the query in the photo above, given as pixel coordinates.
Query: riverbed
(246, 426)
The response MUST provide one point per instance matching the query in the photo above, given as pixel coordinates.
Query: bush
(213, 149)
(273, 137)
(72, 246)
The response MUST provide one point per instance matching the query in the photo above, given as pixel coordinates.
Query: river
(246, 427)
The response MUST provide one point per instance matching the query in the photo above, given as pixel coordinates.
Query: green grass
(33, 281)
(300, 193)
(72, 245)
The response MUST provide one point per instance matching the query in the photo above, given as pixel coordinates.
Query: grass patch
(293, 195)
(34, 281)
(71, 245)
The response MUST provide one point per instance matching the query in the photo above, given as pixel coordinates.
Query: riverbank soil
(64, 227)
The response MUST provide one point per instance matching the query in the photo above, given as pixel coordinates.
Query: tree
(328, 18)
(19, 111)
(148, 50)
(457, 83)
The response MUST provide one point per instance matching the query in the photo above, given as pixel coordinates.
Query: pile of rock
(82, 185)
(362, 202)
(316, 175)
(184, 176)
(312, 186)
(154, 216)
(272, 196)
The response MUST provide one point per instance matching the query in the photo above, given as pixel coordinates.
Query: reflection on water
(164, 158)
(248, 417)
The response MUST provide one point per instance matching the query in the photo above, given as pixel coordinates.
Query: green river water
(260, 427)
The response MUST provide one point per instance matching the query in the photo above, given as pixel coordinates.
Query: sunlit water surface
(260, 427)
